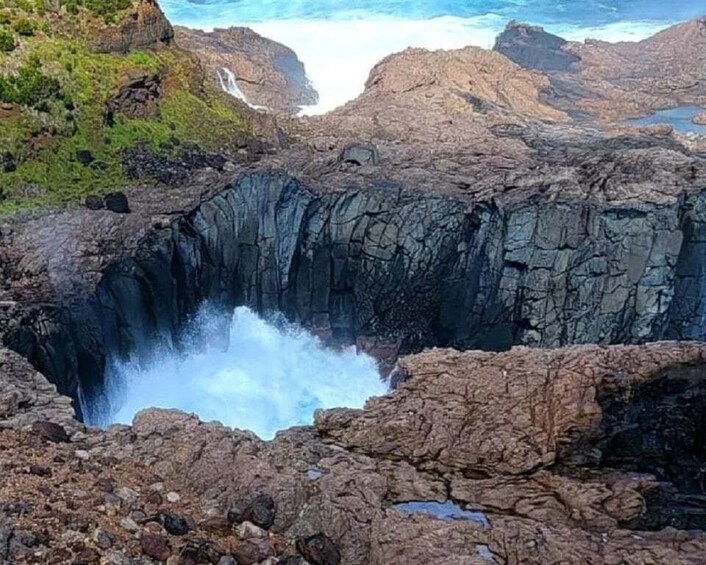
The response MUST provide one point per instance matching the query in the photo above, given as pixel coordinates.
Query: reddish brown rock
(155, 546)
(268, 73)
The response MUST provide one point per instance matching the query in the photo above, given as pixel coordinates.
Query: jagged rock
(50, 431)
(268, 73)
(533, 48)
(137, 97)
(144, 25)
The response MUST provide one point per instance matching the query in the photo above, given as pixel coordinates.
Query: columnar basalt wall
(415, 270)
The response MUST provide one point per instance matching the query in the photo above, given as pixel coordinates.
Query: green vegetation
(7, 41)
(56, 93)
(24, 27)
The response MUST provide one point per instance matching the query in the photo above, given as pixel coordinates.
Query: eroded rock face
(268, 73)
(517, 440)
(145, 25)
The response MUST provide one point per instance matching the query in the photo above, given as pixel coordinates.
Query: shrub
(29, 87)
(7, 41)
(24, 27)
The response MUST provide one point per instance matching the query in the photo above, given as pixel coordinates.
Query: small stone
(319, 549)
(154, 498)
(248, 530)
(155, 546)
(159, 487)
(173, 497)
(51, 432)
(129, 524)
(252, 551)
(117, 202)
(173, 524)
(227, 560)
(39, 471)
(292, 560)
(94, 202)
(103, 539)
(82, 454)
(127, 496)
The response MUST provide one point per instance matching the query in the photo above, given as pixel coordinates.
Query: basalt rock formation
(524, 446)
(268, 73)
(613, 81)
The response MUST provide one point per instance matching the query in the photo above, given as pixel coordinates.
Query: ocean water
(681, 119)
(339, 42)
(245, 372)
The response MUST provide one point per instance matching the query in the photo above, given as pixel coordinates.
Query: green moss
(63, 109)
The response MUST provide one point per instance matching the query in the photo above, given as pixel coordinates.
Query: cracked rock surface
(519, 459)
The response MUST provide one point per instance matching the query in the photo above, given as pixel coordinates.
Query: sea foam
(246, 372)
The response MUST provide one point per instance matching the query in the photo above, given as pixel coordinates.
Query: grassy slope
(43, 138)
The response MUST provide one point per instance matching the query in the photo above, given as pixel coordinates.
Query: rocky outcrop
(700, 119)
(268, 73)
(613, 81)
(144, 25)
(137, 97)
(533, 48)
(413, 270)
(519, 446)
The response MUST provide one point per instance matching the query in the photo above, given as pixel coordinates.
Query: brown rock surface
(268, 73)
(614, 81)
(537, 495)
(144, 25)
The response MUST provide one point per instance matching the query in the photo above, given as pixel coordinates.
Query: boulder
(117, 202)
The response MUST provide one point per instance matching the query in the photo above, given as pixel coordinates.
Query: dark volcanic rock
(533, 48)
(117, 202)
(319, 549)
(261, 511)
(85, 157)
(173, 524)
(94, 202)
(137, 97)
(50, 431)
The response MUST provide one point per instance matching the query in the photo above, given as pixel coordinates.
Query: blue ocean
(339, 42)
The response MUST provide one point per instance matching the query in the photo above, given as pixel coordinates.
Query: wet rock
(261, 511)
(360, 155)
(117, 202)
(51, 432)
(155, 546)
(319, 549)
(94, 202)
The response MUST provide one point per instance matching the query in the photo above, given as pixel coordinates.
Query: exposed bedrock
(412, 270)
